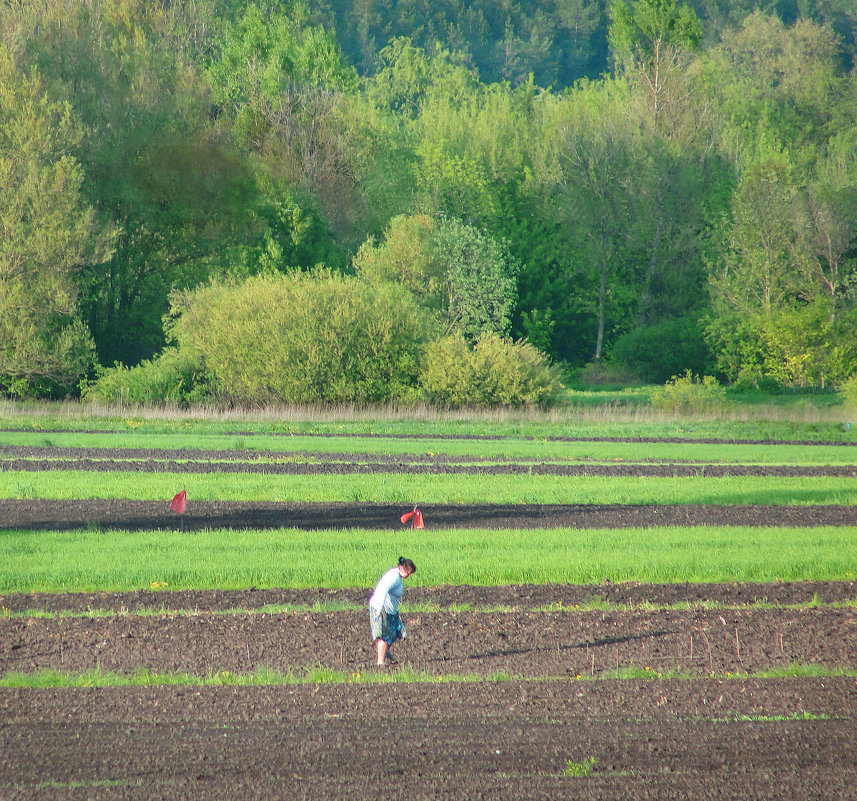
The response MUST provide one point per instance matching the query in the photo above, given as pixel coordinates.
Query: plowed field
(536, 719)
(703, 737)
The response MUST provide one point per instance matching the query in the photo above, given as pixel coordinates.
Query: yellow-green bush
(494, 372)
(848, 391)
(170, 378)
(689, 393)
(317, 337)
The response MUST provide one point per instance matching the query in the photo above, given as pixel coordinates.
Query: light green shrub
(172, 377)
(688, 394)
(316, 337)
(848, 392)
(494, 372)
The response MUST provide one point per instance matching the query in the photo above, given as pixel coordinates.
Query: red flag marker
(179, 502)
(417, 517)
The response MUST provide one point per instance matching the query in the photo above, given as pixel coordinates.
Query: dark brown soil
(666, 739)
(28, 458)
(155, 515)
(522, 643)
(375, 466)
(517, 597)
(510, 740)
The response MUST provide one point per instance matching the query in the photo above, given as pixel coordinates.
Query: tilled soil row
(528, 644)
(131, 515)
(641, 740)
(671, 470)
(517, 597)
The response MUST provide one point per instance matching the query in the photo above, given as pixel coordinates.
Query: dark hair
(408, 564)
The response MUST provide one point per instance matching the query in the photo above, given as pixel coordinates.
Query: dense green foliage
(689, 394)
(302, 338)
(494, 372)
(666, 185)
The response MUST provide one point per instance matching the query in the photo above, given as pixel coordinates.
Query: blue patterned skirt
(386, 626)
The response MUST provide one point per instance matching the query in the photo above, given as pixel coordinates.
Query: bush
(170, 378)
(658, 352)
(317, 337)
(848, 392)
(494, 372)
(689, 394)
(603, 376)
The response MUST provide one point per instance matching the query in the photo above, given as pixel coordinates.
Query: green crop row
(263, 677)
(426, 489)
(512, 447)
(87, 561)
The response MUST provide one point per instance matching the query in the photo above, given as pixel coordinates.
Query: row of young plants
(264, 677)
(431, 489)
(91, 560)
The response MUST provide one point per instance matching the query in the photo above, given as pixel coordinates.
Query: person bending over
(384, 609)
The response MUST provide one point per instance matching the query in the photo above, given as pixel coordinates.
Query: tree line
(658, 186)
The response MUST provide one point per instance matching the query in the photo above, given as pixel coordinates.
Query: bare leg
(381, 650)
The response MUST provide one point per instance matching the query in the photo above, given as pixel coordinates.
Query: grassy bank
(605, 415)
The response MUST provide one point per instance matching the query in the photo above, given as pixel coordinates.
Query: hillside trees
(47, 232)
(153, 169)
(651, 41)
(781, 309)
(465, 276)
(590, 173)
(710, 182)
(278, 82)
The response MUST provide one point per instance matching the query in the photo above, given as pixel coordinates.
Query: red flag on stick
(179, 502)
(417, 517)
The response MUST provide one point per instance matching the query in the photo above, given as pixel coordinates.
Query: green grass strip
(772, 416)
(261, 677)
(90, 561)
(592, 605)
(266, 677)
(536, 449)
(408, 489)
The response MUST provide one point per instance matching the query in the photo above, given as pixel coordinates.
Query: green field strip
(727, 453)
(93, 561)
(425, 489)
(266, 677)
(595, 605)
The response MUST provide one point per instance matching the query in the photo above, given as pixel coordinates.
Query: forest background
(424, 200)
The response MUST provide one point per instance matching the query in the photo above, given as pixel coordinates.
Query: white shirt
(388, 593)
